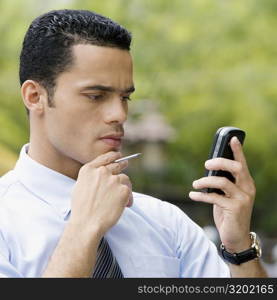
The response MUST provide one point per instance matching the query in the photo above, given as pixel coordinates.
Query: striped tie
(106, 265)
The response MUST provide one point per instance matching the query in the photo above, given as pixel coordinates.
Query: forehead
(94, 65)
(97, 58)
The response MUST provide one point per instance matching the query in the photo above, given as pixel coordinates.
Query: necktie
(106, 265)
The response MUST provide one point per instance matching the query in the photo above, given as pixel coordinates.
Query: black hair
(46, 50)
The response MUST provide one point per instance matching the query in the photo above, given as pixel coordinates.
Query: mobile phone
(221, 148)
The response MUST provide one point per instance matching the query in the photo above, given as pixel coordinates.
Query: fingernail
(192, 194)
(236, 140)
(207, 162)
(194, 183)
(124, 163)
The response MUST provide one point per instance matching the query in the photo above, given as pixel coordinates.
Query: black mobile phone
(221, 148)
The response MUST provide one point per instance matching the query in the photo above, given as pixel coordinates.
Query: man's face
(90, 103)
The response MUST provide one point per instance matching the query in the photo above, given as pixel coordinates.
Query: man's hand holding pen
(101, 192)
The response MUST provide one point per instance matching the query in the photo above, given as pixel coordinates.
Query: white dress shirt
(153, 238)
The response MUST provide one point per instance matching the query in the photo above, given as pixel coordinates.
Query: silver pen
(127, 157)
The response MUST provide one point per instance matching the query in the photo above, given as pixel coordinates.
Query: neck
(44, 153)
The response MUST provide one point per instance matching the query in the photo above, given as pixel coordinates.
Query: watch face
(256, 244)
(238, 258)
(258, 250)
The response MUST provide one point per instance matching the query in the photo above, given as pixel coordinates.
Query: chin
(107, 149)
(88, 157)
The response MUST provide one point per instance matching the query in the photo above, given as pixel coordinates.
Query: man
(66, 210)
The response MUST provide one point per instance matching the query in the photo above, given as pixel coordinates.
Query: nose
(116, 111)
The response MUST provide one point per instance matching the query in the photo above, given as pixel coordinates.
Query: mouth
(112, 140)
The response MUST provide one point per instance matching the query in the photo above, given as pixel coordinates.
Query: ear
(34, 96)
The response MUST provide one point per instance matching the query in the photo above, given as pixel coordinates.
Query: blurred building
(146, 131)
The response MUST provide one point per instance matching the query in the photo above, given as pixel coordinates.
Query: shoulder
(12, 191)
(6, 182)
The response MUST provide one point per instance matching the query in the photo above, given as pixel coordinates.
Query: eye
(126, 98)
(95, 97)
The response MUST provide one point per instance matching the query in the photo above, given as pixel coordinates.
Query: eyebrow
(105, 88)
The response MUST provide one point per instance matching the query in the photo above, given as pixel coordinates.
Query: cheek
(71, 126)
(72, 119)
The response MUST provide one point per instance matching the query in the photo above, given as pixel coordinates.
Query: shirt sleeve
(199, 256)
(7, 270)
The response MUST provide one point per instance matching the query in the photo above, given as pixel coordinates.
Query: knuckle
(115, 155)
(223, 181)
(239, 167)
(208, 197)
(123, 164)
(125, 191)
(85, 169)
(124, 177)
(88, 166)
(109, 157)
(102, 170)
(106, 160)
(248, 198)
(82, 169)
(253, 190)
(245, 200)
(252, 187)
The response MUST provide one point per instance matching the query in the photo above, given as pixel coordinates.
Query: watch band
(238, 258)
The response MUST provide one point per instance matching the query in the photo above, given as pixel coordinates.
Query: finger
(224, 164)
(124, 179)
(117, 168)
(212, 198)
(216, 182)
(105, 159)
(245, 177)
(237, 151)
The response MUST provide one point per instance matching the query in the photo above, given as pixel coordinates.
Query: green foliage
(208, 63)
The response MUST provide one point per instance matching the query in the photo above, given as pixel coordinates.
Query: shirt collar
(47, 184)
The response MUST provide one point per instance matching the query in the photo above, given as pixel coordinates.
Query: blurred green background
(203, 63)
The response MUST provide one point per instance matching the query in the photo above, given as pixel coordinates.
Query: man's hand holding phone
(233, 208)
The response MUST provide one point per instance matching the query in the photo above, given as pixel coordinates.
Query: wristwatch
(253, 252)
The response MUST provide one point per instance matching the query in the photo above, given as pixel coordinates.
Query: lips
(113, 140)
